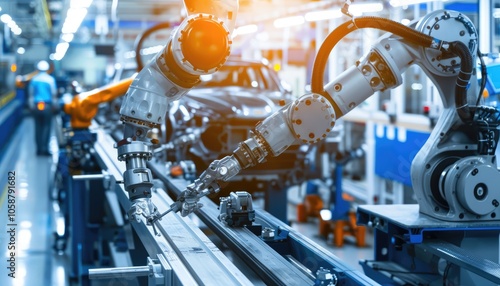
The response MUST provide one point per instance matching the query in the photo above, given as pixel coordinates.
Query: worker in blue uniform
(43, 102)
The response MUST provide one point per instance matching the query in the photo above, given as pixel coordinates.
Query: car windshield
(255, 77)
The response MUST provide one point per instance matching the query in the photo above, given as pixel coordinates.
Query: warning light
(40, 106)
(277, 67)
(486, 94)
(13, 67)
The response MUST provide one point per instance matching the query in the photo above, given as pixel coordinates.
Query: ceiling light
(496, 13)
(74, 19)
(62, 47)
(289, 21)
(247, 29)
(21, 50)
(6, 18)
(359, 9)
(67, 37)
(399, 3)
(17, 31)
(322, 15)
(80, 3)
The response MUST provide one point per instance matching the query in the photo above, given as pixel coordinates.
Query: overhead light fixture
(289, 21)
(399, 3)
(21, 50)
(61, 49)
(80, 3)
(245, 30)
(323, 15)
(359, 8)
(67, 37)
(74, 19)
(6, 18)
(496, 13)
(14, 28)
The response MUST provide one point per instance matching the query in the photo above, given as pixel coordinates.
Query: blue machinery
(414, 249)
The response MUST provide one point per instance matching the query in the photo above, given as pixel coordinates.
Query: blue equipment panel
(493, 79)
(395, 149)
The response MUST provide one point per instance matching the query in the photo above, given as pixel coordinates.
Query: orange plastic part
(205, 43)
(176, 171)
(342, 228)
(40, 106)
(84, 106)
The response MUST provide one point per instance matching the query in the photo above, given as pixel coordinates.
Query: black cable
(409, 34)
(484, 74)
(445, 273)
(402, 271)
(466, 65)
(413, 36)
(140, 39)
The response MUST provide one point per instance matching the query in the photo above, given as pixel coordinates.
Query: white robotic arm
(448, 62)
(200, 45)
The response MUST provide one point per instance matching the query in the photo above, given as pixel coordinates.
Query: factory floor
(35, 262)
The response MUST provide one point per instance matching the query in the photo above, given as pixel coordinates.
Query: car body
(212, 118)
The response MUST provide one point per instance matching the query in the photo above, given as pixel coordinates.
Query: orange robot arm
(84, 106)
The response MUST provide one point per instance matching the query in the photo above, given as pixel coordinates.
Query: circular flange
(477, 188)
(447, 26)
(313, 117)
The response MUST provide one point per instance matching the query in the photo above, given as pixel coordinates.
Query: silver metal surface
(409, 216)
(119, 272)
(88, 177)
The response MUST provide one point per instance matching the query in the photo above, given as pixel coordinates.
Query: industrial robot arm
(200, 45)
(84, 106)
(445, 55)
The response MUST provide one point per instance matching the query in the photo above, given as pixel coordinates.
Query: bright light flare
(399, 3)
(67, 37)
(322, 15)
(325, 214)
(289, 21)
(359, 9)
(74, 19)
(245, 30)
(6, 18)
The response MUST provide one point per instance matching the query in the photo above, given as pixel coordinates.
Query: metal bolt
(223, 171)
(267, 233)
